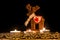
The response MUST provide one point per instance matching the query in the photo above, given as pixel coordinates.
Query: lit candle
(28, 31)
(14, 31)
(44, 30)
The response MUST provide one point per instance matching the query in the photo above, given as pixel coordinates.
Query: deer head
(31, 9)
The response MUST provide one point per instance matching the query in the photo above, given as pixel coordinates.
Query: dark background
(13, 14)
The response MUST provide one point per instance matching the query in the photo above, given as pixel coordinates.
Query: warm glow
(34, 31)
(29, 30)
(41, 31)
(44, 29)
(24, 31)
(15, 31)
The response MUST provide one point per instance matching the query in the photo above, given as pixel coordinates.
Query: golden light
(24, 31)
(34, 31)
(43, 30)
(29, 30)
(14, 31)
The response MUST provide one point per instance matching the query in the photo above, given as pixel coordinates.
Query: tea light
(15, 31)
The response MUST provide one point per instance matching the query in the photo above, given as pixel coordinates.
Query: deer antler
(34, 9)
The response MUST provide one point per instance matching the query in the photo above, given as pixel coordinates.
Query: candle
(14, 31)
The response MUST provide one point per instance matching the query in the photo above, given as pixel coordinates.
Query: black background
(13, 14)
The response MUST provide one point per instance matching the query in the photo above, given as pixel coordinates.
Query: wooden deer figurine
(31, 12)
